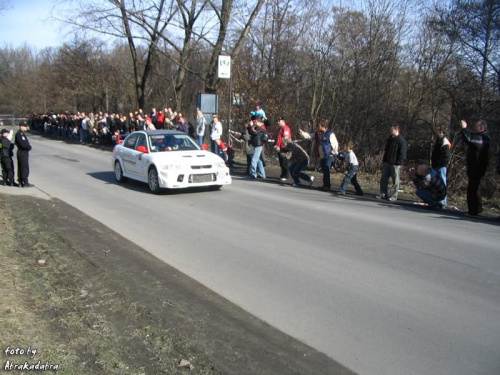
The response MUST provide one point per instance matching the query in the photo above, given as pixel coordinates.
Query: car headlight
(171, 167)
(220, 164)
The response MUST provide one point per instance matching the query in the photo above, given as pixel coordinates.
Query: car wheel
(119, 172)
(153, 182)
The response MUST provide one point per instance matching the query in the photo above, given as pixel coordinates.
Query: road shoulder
(94, 302)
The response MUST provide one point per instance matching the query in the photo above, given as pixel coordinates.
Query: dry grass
(75, 315)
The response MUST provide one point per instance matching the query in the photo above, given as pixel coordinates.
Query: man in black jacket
(478, 142)
(6, 154)
(394, 157)
(23, 149)
(441, 157)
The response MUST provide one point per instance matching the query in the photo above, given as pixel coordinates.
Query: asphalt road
(381, 288)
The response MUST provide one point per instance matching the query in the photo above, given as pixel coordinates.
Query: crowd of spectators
(108, 128)
(105, 128)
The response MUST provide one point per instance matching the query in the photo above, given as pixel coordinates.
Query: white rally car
(167, 159)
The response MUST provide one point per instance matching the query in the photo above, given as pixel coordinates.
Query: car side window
(141, 141)
(130, 141)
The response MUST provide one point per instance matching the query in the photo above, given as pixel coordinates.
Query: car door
(141, 158)
(128, 153)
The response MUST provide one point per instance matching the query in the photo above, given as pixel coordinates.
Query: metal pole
(229, 111)
(107, 100)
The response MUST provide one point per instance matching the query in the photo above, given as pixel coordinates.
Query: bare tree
(138, 22)
(475, 27)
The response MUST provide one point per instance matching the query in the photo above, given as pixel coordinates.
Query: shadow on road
(141, 187)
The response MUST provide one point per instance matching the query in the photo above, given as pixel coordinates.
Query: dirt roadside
(101, 305)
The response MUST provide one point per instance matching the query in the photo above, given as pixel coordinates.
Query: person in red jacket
(283, 132)
(161, 120)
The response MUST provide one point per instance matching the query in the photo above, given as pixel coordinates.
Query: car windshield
(172, 142)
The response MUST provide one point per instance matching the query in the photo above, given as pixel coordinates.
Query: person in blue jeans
(258, 138)
(441, 156)
(328, 148)
(298, 161)
(352, 170)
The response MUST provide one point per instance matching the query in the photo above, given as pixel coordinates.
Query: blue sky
(28, 22)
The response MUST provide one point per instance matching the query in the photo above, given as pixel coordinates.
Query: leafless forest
(363, 65)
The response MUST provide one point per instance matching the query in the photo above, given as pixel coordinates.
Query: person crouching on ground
(352, 170)
(430, 186)
(299, 160)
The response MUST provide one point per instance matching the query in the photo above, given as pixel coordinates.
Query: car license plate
(196, 178)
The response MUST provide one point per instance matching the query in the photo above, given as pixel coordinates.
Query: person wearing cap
(283, 133)
(23, 149)
(258, 112)
(6, 153)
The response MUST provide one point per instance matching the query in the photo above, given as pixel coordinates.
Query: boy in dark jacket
(394, 157)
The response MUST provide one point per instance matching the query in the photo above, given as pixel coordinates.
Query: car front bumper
(179, 179)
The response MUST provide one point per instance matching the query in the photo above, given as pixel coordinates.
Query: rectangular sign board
(208, 103)
(224, 65)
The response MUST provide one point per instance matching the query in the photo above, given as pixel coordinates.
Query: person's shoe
(296, 184)
(325, 188)
(475, 214)
(381, 196)
(360, 194)
(283, 178)
(28, 185)
(340, 192)
(311, 180)
(392, 199)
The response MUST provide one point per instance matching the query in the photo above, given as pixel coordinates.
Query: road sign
(224, 67)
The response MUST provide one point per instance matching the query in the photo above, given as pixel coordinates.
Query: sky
(28, 22)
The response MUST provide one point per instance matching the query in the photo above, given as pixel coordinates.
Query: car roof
(159, 132)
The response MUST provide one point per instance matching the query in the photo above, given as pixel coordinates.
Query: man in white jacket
(215, 133)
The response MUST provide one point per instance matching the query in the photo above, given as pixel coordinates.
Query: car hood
(191, 157)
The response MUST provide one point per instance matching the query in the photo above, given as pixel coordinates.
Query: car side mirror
(142, 149)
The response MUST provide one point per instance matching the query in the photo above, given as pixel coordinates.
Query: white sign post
(224, 72)
(224, 67)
